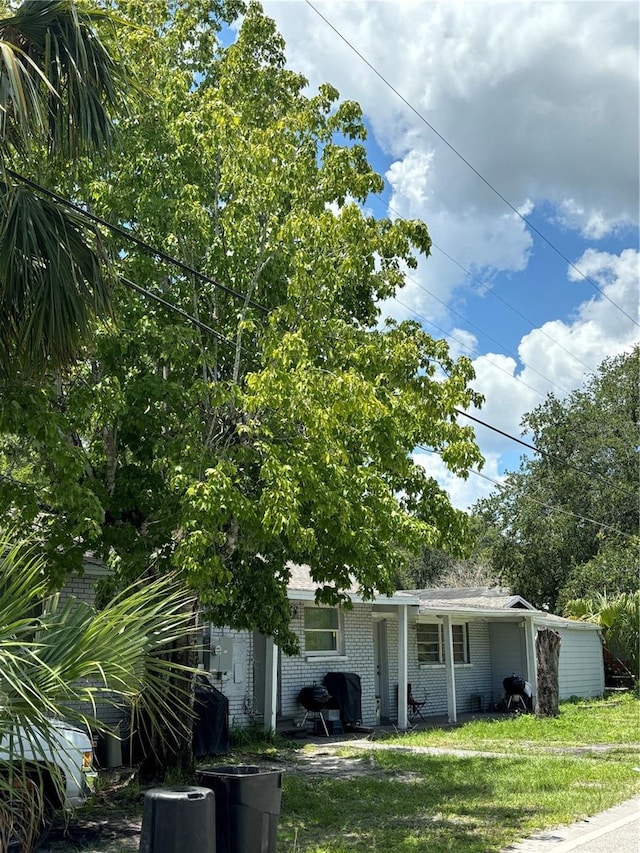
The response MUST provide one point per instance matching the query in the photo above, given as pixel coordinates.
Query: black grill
(313, 698)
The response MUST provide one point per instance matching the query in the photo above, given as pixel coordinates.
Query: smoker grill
(314, 699)
(515, 689)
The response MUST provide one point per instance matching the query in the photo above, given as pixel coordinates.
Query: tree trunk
(547, 657)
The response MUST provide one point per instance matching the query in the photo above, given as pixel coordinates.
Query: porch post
(270, 685)
(449, 670)
(532, 667)
(402, 666)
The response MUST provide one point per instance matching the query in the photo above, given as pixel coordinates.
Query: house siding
(580, 666)
(301, 670)
(430, 680)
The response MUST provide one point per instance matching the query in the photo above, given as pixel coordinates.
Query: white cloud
(463, 493)
(541, 98)
(558, 355)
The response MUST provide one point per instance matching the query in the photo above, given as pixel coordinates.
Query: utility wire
(493, 293)
(150, 295)
(482, 332)
(514, 438)
(128, 235)
(192, 271)
(530, 498)
(469, 349)
(548, 455)
(497, 192)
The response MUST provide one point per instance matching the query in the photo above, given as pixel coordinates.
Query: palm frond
(22, 112)
(52, 281)
(78, 82)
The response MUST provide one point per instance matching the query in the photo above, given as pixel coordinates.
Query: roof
(473, 598)
(302, 586)
(483, 602)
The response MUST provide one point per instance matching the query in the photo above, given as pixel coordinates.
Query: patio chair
(415, 706)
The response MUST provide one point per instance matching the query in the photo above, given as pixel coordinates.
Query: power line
(546, 454)
(150, 295)
(128, 235)
(530, 498)
(482, 332)
(513, 308)
(452, 148)
(493, 293)
(468, 348)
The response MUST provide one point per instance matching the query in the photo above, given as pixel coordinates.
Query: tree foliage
(619, 618)
(60, 86)
(280, 428)
(569, 517)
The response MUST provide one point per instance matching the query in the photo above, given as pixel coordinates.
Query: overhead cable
(531, 499)
(128, 235)
(497, 192)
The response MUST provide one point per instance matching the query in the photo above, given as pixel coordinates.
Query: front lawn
(391, 796)
(412, 801)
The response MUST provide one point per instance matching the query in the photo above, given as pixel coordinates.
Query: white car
(59, 761)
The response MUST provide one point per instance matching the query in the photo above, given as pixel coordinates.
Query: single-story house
(453, 646)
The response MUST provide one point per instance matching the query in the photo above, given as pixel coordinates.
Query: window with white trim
(460, 637)
(430, 646)
(430, 640)
(322, 634)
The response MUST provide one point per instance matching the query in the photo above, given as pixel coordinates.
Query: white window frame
(440, 642)
(461, 643)
(336, 630)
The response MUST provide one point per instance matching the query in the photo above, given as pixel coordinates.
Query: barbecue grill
(516, 688)
(314, 700)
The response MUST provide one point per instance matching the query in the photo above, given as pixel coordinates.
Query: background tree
(286, 431)
(568, 518)
(619, 618)
(437, 568)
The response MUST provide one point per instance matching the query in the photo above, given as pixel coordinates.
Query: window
(321, 630)
(430, 639)
(460, 638)
(429, 642)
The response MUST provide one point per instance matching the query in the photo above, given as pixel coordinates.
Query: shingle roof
(479, 598)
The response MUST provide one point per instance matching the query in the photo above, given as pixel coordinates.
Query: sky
(502, 112)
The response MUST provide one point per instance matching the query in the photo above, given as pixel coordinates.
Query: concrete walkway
(616, 830)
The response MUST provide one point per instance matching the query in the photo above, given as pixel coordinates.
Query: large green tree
(281, 426)
(569, 516)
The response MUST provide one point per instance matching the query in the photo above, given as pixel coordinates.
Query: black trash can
(247, 806)
(178, 819)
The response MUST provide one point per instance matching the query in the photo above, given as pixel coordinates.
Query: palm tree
(619, 619)
(65, 661)
(59, 89)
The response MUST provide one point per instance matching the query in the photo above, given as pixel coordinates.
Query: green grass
(410, 801)
(615, 720)
(442, 803)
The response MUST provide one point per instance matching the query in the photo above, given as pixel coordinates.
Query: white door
(381, 665)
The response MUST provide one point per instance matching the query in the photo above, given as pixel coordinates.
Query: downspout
(402, 666)
(449, 670)
(270, 685)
